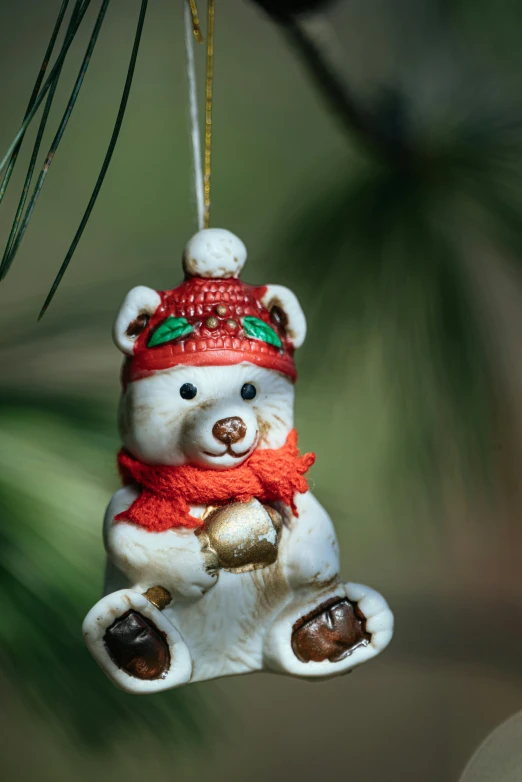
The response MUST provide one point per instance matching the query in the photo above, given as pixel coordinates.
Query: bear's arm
(310, 550)
(172, 559)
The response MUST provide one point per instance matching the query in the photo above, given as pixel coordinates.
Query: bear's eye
(188, 391)
(248, 391)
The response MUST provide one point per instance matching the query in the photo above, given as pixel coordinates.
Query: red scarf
(167, 492)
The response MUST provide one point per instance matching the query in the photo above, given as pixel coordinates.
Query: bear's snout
(229, 430)
(219, 435)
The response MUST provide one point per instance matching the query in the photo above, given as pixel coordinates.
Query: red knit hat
(212, 318)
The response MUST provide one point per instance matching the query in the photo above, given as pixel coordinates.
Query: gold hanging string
(208, 107)
(195, 21)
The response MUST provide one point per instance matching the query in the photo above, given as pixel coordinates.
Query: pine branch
(357, 120)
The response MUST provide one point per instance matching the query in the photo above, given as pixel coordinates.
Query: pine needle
(106, 162)
(57, 139)
(34, 95)
(36, 149)
(43, 92)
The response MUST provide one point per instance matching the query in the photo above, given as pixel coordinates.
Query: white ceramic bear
(203, 617)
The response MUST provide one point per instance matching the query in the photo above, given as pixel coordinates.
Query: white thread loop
(195, 131)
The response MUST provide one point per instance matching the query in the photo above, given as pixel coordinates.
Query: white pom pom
(214, 253)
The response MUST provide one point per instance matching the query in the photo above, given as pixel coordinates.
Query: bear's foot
(328, 634)
(331, 632)
(136, 645)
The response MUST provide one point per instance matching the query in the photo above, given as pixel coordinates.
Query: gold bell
(244, 535)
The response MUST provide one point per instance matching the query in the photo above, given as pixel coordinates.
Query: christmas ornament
(220, 559)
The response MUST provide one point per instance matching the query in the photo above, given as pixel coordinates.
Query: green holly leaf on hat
(257, 329)
(169, 329)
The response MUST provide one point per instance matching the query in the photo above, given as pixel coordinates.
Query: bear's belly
(226, 628)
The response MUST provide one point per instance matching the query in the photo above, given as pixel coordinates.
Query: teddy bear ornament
(220, 560)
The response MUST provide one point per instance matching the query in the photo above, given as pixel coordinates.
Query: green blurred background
(404, 247)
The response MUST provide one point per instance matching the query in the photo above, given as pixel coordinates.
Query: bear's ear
(286, 311)
(135, 312)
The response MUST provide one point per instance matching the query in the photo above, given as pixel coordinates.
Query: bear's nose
(229, 430)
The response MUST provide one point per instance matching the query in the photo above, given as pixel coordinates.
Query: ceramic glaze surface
(253, 584)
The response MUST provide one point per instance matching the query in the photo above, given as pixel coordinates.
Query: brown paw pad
(136, 645)
(331, 632)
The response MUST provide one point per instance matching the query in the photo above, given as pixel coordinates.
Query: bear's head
(209, 369)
